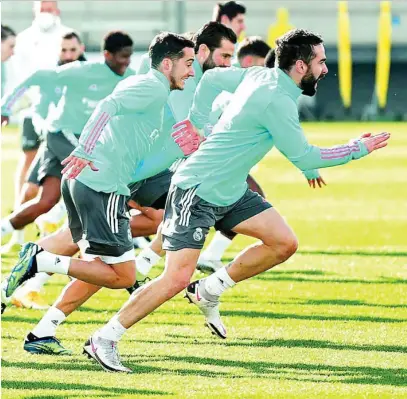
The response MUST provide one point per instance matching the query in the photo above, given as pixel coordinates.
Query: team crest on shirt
(198, 234)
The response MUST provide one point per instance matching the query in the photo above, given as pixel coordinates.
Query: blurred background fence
(366, 41)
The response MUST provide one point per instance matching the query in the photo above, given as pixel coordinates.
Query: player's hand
(4, 120)
(75, 165)
(147, 211)
(314, 182)
(375, 142)
(187, 137)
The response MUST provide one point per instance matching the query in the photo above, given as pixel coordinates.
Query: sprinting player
(214, 44)
(209, 187)
(37, 47)
(124, 127)
(72, 50)
(85, 84)
(8, 42)
(231, 14)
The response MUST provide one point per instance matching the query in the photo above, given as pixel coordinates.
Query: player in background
(252, 51)
(72, 50)
(8, 42)
(231, 14)
(37, 47)
(209, 187)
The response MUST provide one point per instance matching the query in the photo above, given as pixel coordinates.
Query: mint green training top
(122, 131)
(262, 113)
(84, 85)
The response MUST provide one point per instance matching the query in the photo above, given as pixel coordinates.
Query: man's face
(119, 61)
(50, 7)
(220, 57)
(250, 60)
(7, 48)
(71, 50)
(237, 24)
(182, 69)
(317, 70)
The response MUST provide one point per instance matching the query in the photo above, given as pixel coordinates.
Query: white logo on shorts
(198, 234)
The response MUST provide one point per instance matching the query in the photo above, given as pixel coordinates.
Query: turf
(330, 323)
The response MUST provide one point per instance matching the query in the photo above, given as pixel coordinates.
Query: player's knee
(288, 247)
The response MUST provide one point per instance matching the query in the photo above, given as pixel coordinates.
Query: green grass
(330, 323)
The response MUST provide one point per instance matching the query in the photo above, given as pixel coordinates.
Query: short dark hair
(253, 45)
(168, 45)
(230, 8)
(116, 40)
(72, 35)
(295, 45)
(6, 32)
(270, 59)
(212, 34)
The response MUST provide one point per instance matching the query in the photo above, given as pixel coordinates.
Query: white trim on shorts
(185, 204)
(83, 244)
(111, 212)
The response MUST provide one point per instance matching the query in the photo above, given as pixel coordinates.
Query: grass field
(330, 323)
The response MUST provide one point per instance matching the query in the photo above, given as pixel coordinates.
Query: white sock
(146, 259)
(51, 263)
(47, 326)
(36, 283)
(113, 330)
(218, 282)
(55, 214)
(18, 237)
(217, 247)
(6, 227)
(141, 242)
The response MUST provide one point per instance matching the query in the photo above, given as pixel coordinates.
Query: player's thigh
(268, 226)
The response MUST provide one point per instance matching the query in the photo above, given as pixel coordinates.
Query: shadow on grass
(311, 372)
(289, 343)
(71, 386)
(271, 315)
(133, 363)
(272, 276)
(344, 302)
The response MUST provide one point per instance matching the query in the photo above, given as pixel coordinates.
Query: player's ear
(82, 48)
(301, 67)
(247, 62)
(167, 64)
(203, 52)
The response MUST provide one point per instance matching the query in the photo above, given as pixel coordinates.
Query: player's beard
(308, 83)
(209, 63)
(173, 83)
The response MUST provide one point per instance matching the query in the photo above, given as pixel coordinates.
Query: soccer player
(71, 50)
(209, 187)
(118, 135)
(85, 84)
(231, 14)
(37, 47)
(8, 42)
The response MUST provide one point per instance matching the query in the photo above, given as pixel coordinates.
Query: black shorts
(152, 192)
(29, 138)
(56, 148)
(188, 218)
(99, 218)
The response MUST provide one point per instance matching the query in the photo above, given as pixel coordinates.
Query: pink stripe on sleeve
(96, 131)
